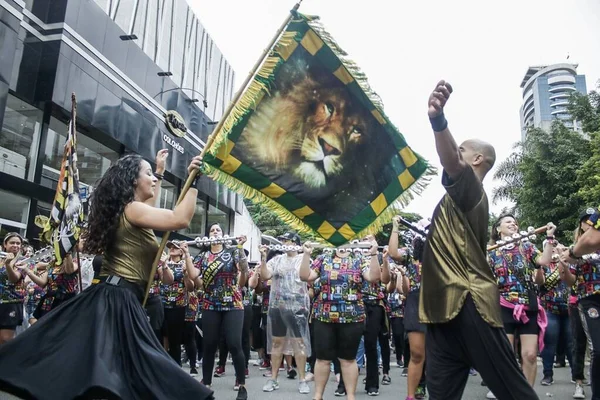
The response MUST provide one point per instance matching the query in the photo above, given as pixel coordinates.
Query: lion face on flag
(309, 131)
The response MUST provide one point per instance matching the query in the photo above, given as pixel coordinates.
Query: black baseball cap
(585, 214)
(292, 236)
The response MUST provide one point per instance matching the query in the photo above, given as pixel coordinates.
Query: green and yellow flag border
(413, 171)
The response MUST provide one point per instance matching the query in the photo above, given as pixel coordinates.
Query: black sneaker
(386, 380)
(193, 372)
(291, 374)
(405, 372)
(547, 381)
(242, 394)
(340, 391)
(373, 391)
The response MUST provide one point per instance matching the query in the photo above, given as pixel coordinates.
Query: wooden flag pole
(192, 176)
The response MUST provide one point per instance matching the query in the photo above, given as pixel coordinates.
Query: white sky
(482, 48)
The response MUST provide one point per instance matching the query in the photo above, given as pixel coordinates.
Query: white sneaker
(490, 395)
(271, 385)
(303, 387)
(579, 393)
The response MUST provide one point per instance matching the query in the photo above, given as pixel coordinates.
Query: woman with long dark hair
(12, 291)
(221, 271)
(100, 344)
(518, 269)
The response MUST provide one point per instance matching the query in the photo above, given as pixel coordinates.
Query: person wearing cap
(175, 296)
(584, 272)
(287, 326)
(12, 291)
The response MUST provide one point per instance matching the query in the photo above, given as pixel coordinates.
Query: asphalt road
(562, 388)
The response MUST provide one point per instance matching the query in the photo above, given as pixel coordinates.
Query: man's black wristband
(439, 123)
(572, 254)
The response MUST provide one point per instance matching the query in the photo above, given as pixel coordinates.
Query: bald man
(459, 301)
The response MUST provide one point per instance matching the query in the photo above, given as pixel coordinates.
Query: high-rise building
(546, 91)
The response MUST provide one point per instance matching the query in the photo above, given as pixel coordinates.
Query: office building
(546, 90)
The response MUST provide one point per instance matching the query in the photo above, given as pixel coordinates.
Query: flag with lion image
(309, 139)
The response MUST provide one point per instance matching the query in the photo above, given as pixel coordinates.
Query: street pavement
(562, 388)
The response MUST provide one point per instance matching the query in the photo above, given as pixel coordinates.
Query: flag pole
(73, 129)
(209, 141)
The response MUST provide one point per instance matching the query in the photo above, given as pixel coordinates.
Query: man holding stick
(459, 294)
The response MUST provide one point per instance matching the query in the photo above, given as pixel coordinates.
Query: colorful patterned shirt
(513, 269)
(373, 293)
(413, 273)
(175, 295)
(266, 295)
(247, 292)
(222, 292)
(587, 277)
(554, 293)
(10, 292)
(155, 287)
(396, 303)
(191, 310)
(341, 282)
(60, 283)
(33, 296)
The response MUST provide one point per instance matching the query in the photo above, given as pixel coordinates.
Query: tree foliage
(541, 178)
(586, 110)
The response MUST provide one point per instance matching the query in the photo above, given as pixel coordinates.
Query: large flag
(64, 225)
(309, 138)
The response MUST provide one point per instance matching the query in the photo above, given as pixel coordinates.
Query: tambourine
(508, 242)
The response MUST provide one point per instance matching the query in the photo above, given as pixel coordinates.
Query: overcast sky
(482, 48)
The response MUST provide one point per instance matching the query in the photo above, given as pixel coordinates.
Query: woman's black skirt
(96, 345)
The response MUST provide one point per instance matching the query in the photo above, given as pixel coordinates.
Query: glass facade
(19, 138)
(93, 158)
(52, 49)
(173, 37)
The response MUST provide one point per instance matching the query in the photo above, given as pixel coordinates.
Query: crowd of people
(447, 305)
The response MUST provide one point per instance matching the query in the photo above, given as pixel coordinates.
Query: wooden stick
(521, 237)
(192, 176)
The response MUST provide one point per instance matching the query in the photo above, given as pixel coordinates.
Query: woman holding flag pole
(100, 344)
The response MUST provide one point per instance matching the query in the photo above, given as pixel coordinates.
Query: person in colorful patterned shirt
(339, 311)
(585, 273)
(395, 301)
(411, 258)
(518, 269)
(12, 291)
(376, 330)
(554, 296)
(221, 271)
(60, 282)
(175, 295)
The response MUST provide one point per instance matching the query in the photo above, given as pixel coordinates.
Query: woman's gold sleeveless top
(131, 254)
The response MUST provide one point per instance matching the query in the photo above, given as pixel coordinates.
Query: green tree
(586, 110)
(549, 167)
(509, 174)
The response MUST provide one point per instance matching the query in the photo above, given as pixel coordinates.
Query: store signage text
(171, 142)
(175, 123)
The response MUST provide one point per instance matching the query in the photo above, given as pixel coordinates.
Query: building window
(19, 138)
(13, 213)
(167, 195)
(93, 158)
(221, 217)
(198, 223)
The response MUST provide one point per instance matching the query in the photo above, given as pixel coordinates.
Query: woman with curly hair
(100, 344)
